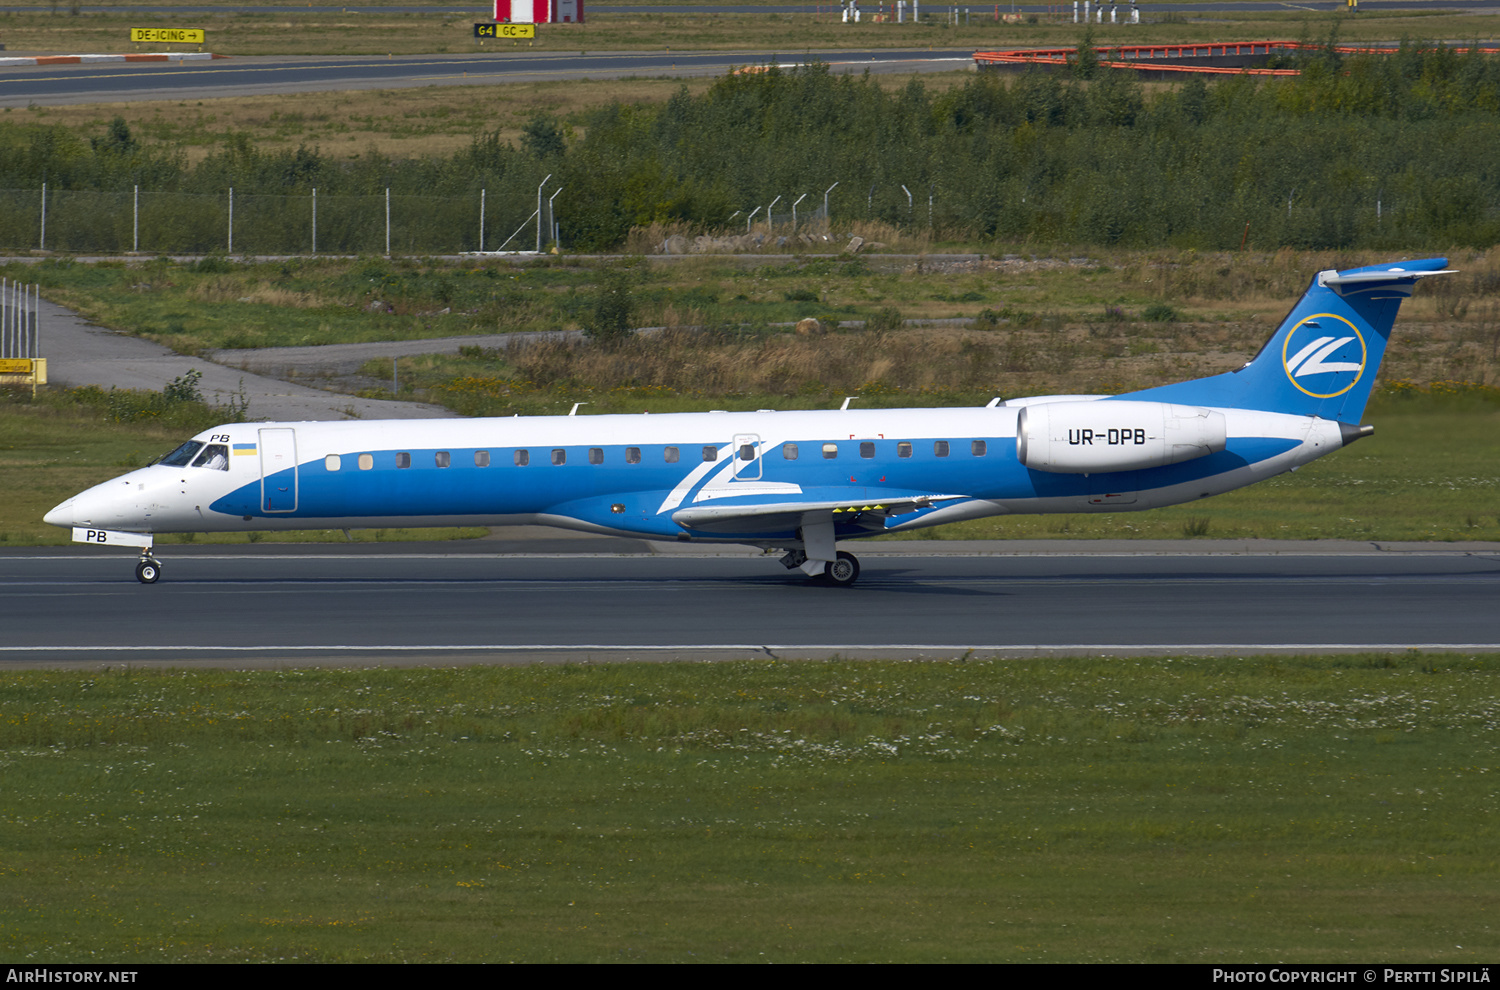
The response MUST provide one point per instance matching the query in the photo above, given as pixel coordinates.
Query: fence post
(552, 220)
(135, 221)
(539, 213)
(387, 221)
(315, 221)
(481, 220)
(231, 221)
(42, 244)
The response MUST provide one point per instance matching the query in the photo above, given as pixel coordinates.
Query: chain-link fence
(81, 222)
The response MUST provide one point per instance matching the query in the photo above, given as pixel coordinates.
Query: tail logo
(1322, 359)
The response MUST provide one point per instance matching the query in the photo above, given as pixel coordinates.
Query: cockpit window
(182, 456)
(215, 456)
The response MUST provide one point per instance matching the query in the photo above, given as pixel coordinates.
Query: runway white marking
(1166, 648)
(875, 550)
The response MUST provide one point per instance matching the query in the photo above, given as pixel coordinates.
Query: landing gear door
(747, 457)
(278, 470)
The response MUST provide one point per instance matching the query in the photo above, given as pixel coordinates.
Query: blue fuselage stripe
(504, 488)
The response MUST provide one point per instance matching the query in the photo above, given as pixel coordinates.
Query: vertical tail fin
(1323, 359)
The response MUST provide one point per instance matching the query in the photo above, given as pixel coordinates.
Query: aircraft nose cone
(61, 516)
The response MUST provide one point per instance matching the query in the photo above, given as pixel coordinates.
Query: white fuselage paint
(576, 495)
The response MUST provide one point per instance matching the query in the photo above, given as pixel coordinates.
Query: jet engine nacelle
(1093, 437)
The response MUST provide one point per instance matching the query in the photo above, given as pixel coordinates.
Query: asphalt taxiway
(114, 82)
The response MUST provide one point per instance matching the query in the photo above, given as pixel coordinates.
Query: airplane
(794, 482)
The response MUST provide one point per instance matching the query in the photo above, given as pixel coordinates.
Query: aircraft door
(278, 470)
(747, 466)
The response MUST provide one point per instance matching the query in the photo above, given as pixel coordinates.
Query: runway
(444, 604)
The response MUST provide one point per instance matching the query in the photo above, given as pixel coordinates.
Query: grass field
(1147, 810)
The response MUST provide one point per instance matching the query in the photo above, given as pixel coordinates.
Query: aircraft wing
(869, 513)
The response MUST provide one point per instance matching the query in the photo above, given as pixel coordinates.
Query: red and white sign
(538, 11)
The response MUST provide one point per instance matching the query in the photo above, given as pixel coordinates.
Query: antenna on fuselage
(847, 399)
(574, 411)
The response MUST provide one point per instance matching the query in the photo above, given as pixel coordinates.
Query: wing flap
(767, 516)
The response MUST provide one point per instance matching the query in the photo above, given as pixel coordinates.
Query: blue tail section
(1324, 358)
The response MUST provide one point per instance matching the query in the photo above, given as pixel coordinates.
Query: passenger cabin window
(366, 461)
(710, 454)
(403, 459)
(632, 455)
(559, 456)
(747, 451)
(523, 458)
(670, 455)
(789, 451)
(867, 449)
(940, 448)
(830, 451)
(977, 448)
(481, 458)
(332, 462)
(596, 455)
(903, 449)
(215, 456)
(441, 458)
(182, 456)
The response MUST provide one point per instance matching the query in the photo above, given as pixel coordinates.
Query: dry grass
(1044, 356)
(1046, 326)
(403, 123)
(759, 238)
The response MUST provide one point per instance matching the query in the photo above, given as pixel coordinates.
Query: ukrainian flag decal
(244, 448)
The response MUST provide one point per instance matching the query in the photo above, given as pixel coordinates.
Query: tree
(117, 140)
(1085, 60)
(614, 309)
(542, 137)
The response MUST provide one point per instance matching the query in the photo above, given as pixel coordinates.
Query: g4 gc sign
(505, 30)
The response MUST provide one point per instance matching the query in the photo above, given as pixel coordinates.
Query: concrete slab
(81, 353)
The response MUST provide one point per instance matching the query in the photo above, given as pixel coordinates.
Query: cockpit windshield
(182, 456)
(215, 456)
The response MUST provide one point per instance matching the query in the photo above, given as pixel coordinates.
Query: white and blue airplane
(798, 482)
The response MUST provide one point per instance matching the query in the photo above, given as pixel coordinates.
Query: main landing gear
(148, 569)
(841, 572)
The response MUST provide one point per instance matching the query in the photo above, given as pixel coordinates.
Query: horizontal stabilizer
(1363, 278)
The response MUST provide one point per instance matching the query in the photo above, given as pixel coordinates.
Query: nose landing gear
(148, 569)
